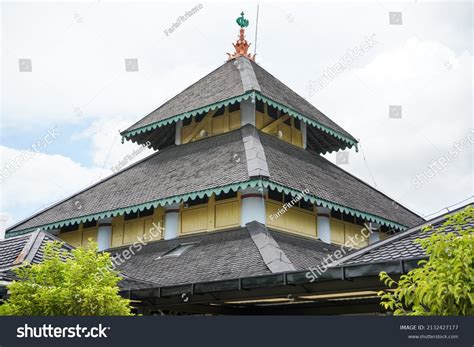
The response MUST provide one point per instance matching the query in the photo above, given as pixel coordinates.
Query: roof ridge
(257, 165)
(272, 254)
(247, 74)
(35, 246)
(26, 249)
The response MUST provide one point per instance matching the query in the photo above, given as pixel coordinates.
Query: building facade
(238, 155)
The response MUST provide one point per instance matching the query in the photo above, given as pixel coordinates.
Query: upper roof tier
(238, 79)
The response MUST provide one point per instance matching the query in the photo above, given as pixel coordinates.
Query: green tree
(443, 284)
(76, 283)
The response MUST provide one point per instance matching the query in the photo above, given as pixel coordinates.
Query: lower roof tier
(236, 160)
(253, 250)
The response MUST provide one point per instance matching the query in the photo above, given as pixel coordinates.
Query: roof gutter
(335, 279)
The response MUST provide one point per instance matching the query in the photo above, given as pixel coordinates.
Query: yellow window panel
(234, 120)
(117, 234)
(154, 234)
(227, 214)
(73, 238)
(219, 124)
(194, 220)
(306, 223)
(358, 239)
(272, 209)
(89, 234)
(296, 138)
(259, 120)
(286, 132)
(131, 231)
(337, 232)
(185, 131)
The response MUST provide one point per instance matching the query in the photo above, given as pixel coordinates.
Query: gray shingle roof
(219, 161)
(303, 254)
(216, 256)
(10, 249)
(221, 84)
(15, 251)
(176, 170)
(402, 245)
(276, 90)
(229, 81)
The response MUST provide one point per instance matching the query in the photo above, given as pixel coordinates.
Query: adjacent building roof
(234, 81)
(253, 250)
(220, 163)
(29, 248)
(15, 251)
(402, 246)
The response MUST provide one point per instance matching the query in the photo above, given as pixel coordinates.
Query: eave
(137, 135)
(283, 289)
(261, 182)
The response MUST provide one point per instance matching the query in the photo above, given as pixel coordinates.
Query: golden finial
(241, 46)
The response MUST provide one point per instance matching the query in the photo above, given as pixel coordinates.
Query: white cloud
(40, 181)
(429, 81)
(107, 151)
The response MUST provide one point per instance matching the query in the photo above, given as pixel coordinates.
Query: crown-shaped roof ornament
(241, 46)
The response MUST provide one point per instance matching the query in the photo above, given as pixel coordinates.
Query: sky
(405, 92)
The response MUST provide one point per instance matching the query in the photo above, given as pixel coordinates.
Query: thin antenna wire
(367, 165)
(256, 30)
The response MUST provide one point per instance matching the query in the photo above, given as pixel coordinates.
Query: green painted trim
(185, 115)
(139, 207)
(253, 95)
(208, 192)
(325, 203)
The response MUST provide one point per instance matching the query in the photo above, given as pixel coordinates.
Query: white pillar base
(324, 226)
(375, 233)
(303, 133)
(104, 234)
(177, 136)
(171, 221)
(252, 206)
(247, 112)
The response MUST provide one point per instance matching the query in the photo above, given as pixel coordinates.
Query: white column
(104, 233)
(375, 233)
(177, 136)
(324, 227)
(252, 206)
(171, 221)
(247, 112)
(303, 133)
